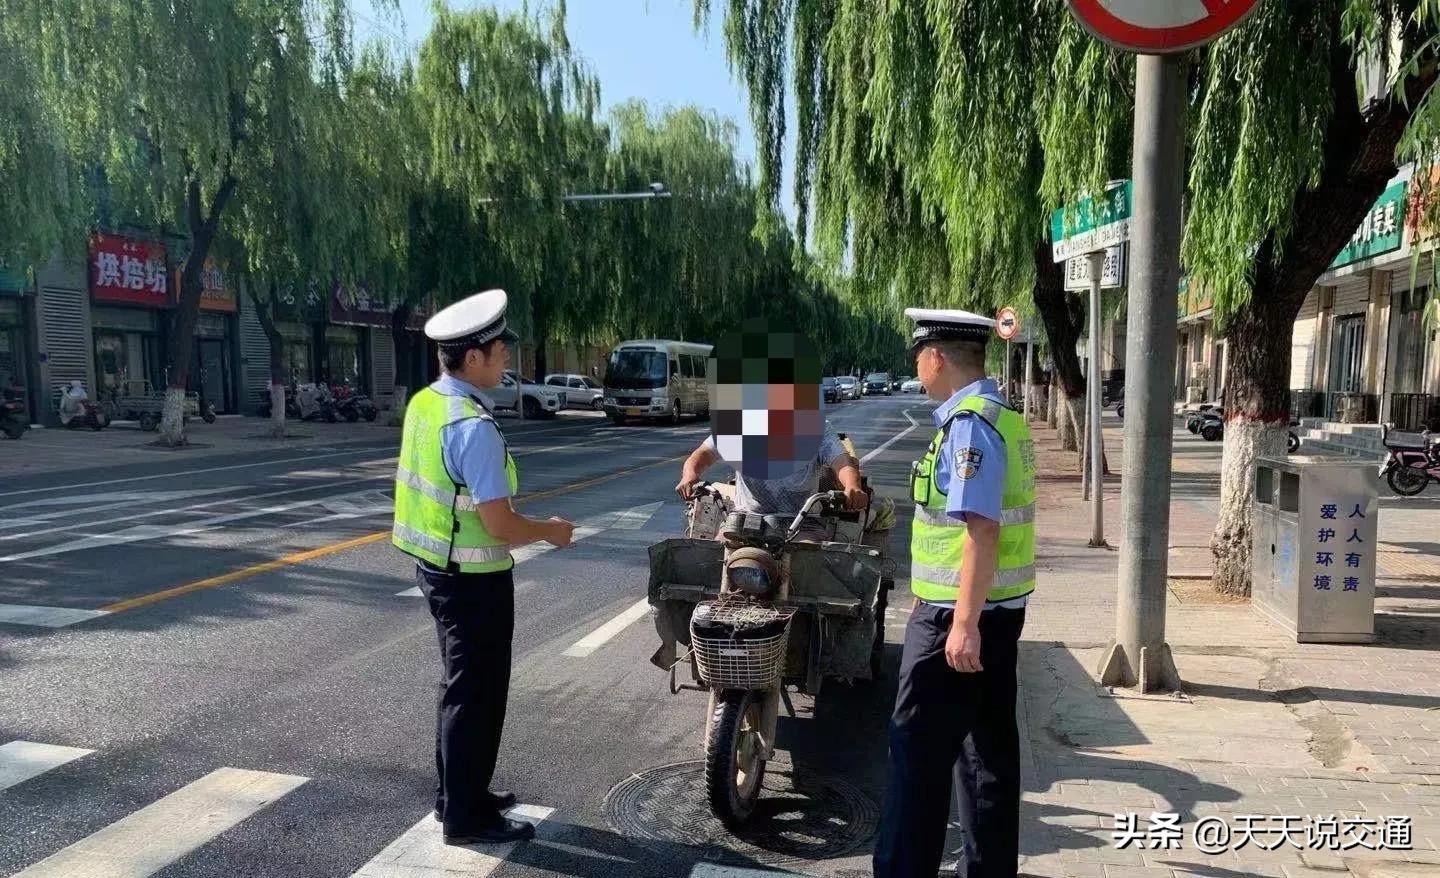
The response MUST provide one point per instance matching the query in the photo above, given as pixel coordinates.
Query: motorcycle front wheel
(734, 764)
(371, 414)
(15, 429)
(1211, 432)
(351, 416)
(1407, 481)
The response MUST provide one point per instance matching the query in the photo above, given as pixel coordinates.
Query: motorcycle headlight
(751, 580)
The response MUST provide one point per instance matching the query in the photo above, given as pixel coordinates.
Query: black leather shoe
(505, 831)
(503, 801)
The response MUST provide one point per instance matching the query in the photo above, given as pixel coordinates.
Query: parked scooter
(1409, 466)
(292, 409)
(78, 410)
(315, 401)
(14, 417)
(1212, 425)
(353, 405)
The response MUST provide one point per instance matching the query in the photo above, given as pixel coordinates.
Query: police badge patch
(967, 463)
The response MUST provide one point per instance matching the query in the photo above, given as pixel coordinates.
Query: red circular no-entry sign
(1158, 27)
(1007, 323)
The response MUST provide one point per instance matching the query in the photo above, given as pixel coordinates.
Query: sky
(646, 49)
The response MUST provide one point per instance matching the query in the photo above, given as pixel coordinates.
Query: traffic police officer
(972, 564)
(453, 515)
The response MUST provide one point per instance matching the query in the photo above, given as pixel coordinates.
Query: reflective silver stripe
(480, 556)
(951, 577)
(925, 515)
(415, 482)
(1014, 515)
(990, 410)
(464, 502)
(416, 538)
(1018, 514)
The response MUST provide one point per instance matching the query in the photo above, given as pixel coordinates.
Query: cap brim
(509, 337)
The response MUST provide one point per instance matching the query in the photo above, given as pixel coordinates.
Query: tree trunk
(540, 359)
(1062, 318)
(400, 335)
(1359, 160)
(1052, 403)
(265, 315)
(1257, 414)
(187, 309)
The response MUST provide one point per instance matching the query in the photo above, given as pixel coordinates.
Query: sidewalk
(59, 450)
(1268, 727)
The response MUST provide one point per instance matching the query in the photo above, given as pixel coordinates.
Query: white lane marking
(633, 518)
(710, 870)
(422, 852)
(602, 635)
(22, 760)
(328, 455)
(146, 532)
(164, 831)
(44, 617)
(893, 439)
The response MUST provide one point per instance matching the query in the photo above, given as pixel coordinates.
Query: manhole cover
(801, 815)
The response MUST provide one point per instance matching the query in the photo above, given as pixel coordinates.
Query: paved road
(195, 681)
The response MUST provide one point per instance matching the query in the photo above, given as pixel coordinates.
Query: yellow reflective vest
(937, 540)
(435, 518)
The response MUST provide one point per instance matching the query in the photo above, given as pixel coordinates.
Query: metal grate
(739, 662)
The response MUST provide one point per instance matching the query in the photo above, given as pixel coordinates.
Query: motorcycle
(1212, 425)
(1292, 439)
(353, 405)
(761, 611)
(1409, 466)
(315, 401)
(266, 408)
(14, 418)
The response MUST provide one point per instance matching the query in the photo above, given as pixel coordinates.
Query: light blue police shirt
(473, 449)
(970, 466)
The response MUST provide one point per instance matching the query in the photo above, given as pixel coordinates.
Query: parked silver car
(849, 386)
(539, 400)
(581, 391)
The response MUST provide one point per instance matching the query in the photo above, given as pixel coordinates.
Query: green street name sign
(1380, 231)
(1091, 224)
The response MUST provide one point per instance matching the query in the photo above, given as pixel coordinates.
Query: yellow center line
(322, 551)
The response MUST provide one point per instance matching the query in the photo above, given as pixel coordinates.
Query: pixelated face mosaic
(765, 399)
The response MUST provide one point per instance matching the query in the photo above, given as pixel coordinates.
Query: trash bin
(1313, 559)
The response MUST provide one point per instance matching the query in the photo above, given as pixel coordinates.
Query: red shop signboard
(128, 271)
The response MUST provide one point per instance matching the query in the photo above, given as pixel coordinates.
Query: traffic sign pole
(1138, 656)
(1097, 444)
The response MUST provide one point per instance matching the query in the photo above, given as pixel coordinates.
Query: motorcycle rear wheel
(1407, 481)
(15, 429)
(1211, 432)
(351, 416)
(734, 766)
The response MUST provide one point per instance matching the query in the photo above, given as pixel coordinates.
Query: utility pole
(1029, 376)
(1139, 655)
(1097, 445)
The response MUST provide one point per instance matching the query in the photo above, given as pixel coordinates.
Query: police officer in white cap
(453, 515)
(972, 566)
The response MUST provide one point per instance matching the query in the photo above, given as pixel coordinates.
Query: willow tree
(45, 197)
(180, 108)
(500, 97)
(919, 150)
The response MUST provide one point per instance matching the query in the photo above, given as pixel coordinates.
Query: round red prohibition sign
(1157, 27)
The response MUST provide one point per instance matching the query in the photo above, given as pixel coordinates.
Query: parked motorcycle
(1409, 465)
(316, 402)
(1292, 439)
(1212, 425)
(353, 405)
(14, 418)
(292, 409)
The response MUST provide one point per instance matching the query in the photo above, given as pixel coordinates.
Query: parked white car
(912, 385)
(540, 401)
(581, 391)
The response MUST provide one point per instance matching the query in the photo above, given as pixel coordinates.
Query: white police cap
(948, 324)
(472, 321)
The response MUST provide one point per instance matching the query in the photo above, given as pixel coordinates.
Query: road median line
(333, 548)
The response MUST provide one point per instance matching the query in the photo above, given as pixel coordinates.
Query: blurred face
(765, 401)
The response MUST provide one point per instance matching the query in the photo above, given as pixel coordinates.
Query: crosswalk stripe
(711, 870)
(166, 830)
(602, 635)
(22, 760)
(422, 852)
(44, 617)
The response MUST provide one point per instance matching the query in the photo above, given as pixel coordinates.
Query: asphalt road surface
(221, 669)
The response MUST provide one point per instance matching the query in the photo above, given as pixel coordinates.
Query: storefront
(213, 370)
(300, 318)
(130, 297)
(16, 320)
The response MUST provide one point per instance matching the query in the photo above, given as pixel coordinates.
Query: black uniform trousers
(947, 721)
(474, 623)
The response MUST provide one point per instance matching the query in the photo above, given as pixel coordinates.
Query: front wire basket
(750, 653)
